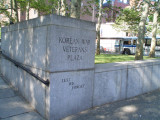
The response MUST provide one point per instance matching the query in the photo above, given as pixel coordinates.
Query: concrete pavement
(14, 107)
(143, 107)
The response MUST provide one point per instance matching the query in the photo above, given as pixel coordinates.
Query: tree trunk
(154, 32)
(141, 31)
(75, 8)
(98, 27)
(93, 13)
(63, 8)
(134, 3)
(59, 7)
(16, 10)
(28, 8)
(11, 2)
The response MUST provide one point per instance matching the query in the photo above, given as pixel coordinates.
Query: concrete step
(13, 106)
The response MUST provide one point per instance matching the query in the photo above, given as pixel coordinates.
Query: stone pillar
(71, 55)
(57, 48)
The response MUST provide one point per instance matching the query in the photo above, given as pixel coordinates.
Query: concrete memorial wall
(57, 48)
(62, 50)
(71, 66)
(119, 81)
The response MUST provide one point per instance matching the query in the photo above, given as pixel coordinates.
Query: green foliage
(44, 7)
(22, 4)
(88, 8)
(150, 17)
(0, 34)
(5, 9)
(128, 20)
(41, 6)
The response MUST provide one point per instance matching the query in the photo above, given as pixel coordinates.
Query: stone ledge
(51, 20)
(124, 65)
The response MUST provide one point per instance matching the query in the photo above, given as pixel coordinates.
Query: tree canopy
(128, 21)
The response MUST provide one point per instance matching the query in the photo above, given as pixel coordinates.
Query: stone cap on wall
(51, 20)
(124, 65)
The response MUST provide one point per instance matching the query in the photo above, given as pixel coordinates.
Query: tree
(134, 3)
(154, 31)
(0, 34)
(58, 7)
(128, 21)
(141, 31)
(98, 27)
(41, 6)
(61, 7)
(6, 10)
(24, 6)
(11, 5)
(16, 10)
(10, 9)
(75, 8)
(100, 13)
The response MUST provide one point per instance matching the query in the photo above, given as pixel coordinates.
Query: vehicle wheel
(127, 52)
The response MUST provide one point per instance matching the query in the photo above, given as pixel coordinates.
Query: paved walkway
(14, 107)
(144, 107)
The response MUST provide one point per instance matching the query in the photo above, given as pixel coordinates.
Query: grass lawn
(110, 58)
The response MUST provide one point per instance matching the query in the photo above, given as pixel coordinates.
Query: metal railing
(20, 65)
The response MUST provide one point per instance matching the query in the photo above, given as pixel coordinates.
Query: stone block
(107, 87)
(35, 92)
(155, 62)
(13, 27)
(11, 47)
(18, 46)
(70, 92)
(135, 81)
(35, 52)
(51, 20)
(41, 21)
(14, 41)
(3, 30)
(124, 80)
(155, 77)
(110, 67)
(21, 81)
(28, 45)
(7, 68)
(71, 22)
(147, 79)
(13, 76)
(2, 67)
(60, 46)
(139, 63)
(5, 41)
(24, 25)
(47, 103)
(70, 48)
